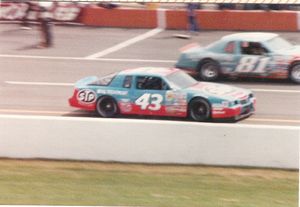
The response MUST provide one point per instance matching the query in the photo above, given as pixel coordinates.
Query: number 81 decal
(252, 64)
(150, 101)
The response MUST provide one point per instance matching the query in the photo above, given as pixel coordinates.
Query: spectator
(192, 17)
(45, 26)
(25, 23)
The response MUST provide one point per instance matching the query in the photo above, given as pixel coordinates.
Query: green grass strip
(113, 184)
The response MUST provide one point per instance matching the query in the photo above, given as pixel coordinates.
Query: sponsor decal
(112, 92)
(175, 98)
(170, 96)
(125, 105)
(219, 112)
(176, 102)
(175, 109)
(58, 12)
(12, 11)
(220, 106)
(86, 96)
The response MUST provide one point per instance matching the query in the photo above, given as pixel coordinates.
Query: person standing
(24, 22)
(45, 25)
(192, 17)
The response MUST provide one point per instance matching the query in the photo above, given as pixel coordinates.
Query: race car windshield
(278, 43)
(181, 80)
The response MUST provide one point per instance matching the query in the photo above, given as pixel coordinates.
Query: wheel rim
(107, 107)
(200, 111)
(209, 71)
(295, 74)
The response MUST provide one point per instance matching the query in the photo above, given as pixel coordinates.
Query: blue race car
(161, 92)
(249, 54)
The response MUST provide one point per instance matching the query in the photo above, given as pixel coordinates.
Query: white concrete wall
(148, 141)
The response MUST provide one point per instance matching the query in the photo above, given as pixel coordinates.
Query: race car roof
(250, 36)
(149, 71)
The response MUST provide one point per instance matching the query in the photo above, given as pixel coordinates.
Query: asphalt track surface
(39, 81)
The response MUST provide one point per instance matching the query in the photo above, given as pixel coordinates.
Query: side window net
(150, 83)
(252, 48)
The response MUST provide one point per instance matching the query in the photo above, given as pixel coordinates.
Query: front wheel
(209, 71)
(199, 109)
(106, 107)
(295, 73)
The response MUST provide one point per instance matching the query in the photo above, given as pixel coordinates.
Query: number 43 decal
(150, 101)
(248, 64)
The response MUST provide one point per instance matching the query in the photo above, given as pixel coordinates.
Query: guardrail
(149, 141)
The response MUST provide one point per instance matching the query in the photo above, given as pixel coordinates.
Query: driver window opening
(150, 83)
(252, 48)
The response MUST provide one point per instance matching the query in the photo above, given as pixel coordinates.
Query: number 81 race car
(249, 54)
(161, 92)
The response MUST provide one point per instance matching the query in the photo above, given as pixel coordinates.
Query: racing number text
(252, 64)
(150, 101)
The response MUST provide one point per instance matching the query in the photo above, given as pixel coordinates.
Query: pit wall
(151, 18)
(207, 19)
(149, 141)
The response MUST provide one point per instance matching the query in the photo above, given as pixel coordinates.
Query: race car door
(149, 95)
(253, 59)
(229, 57)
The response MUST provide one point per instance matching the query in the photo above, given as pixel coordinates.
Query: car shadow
(255, 81)
(89, 114)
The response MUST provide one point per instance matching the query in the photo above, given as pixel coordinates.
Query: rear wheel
(199, 109)
(107, 107)
(295, 73)
(209, 70)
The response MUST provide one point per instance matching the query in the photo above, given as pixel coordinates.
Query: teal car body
(161, 92)
(249, 54)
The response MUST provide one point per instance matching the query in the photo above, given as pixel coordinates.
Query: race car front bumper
(235, 113)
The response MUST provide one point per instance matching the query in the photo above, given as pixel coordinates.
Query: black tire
(295, 72)
(107, 107)
(209, 70)
(199, 109)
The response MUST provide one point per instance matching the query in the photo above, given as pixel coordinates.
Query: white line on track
(80, 58)
(38, 83)
(274, 120)
(126, 43)
(14, 111)
(72, 84)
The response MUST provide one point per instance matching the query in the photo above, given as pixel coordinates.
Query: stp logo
(86, 96)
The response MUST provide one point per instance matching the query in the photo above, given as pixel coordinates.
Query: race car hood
(226, 92)
(85, 81)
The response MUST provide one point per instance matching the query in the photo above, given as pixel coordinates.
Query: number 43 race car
(249, 54)
(161, 92)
